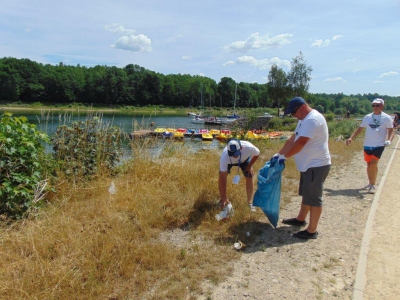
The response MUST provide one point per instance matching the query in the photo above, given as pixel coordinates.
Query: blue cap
(294, 104)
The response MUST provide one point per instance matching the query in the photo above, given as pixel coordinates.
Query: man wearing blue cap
(309, 146)
(237, 155)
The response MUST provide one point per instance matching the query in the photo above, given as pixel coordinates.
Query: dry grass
(156, 238)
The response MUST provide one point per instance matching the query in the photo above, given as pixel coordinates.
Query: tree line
(28, 81)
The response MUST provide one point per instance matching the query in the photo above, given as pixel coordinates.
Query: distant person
(379, 125)
(396, 120)
(152, 126)
(235, 156)
(309, 146)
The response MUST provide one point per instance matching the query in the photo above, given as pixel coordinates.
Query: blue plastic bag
(268, 194)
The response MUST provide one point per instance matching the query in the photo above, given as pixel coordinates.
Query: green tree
(299, 76)
(277, 86)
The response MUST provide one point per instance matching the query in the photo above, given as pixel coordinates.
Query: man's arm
(354, 134)
(297, 146)
(289, 144)
(222, 180)
(251, 163)
(390, 134)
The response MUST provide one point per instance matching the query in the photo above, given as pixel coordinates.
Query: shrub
(342, 127)
(21, 165)
(86, 147)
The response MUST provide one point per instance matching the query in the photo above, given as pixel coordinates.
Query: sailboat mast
(234, 102)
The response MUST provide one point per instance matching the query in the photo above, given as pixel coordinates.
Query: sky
(353, 46)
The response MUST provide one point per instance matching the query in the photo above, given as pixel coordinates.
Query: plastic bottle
(225, 213)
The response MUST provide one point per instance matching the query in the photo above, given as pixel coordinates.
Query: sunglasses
(296, 109)
(376, 105)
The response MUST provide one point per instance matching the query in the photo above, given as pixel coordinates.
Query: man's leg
(315, 214)
(372, 171)
(249, 189)
(304, 209)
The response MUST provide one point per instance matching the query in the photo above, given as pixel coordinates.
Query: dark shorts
(373, 153)
(312, 184)
(243, 166)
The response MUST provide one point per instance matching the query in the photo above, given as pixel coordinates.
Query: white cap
(378, 101)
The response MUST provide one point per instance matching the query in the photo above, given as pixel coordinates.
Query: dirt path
(278, 266)
(383, 256)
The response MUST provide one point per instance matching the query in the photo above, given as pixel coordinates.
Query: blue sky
(353, 46)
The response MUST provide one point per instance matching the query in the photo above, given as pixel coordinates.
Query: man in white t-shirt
(378, 125)
(309, 146)
(235, 156)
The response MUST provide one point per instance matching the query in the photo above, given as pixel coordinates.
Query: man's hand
(348, 141)
(279, 157)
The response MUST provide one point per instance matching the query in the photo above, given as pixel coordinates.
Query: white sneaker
(252, 208)
(372, 189)
(367, 187)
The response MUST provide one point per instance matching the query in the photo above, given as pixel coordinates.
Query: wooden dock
(138, 134)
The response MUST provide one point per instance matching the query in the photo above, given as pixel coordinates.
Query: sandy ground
(382, 276)
(276, 265)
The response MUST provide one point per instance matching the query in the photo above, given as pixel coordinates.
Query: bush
(86, 147)
(342, 127)
(21, 165)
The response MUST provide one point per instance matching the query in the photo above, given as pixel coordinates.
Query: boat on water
(223, 137)
(167, 134)
(178, 135)
(215, 132)
(198, 120)
(213, 121)
(207, 136)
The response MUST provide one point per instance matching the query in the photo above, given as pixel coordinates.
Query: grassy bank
(129, 109)
(155, 238)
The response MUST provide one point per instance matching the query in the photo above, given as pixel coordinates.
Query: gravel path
(276, 265)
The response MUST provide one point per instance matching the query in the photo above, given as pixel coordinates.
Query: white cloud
(129, 41)
(255, 41)
(229, 63)
(334, 79)
(186, 57)
(28, 30)
(321, 43)
(391, 73)
(336, 37)
(134, 43)
(120, 29)
(325, 43)
(356, 70)
(261, 64)
(378, 81)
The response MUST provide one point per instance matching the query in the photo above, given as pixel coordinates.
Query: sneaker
(304, 234)
(252, 208)
(366, 187)
(372, 189)
(294, 222)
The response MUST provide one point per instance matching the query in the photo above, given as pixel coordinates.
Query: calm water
(48, 121)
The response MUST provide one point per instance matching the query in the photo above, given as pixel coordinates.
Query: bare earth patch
(275, 265)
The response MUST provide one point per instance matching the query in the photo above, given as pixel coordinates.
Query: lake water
(48, 121)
